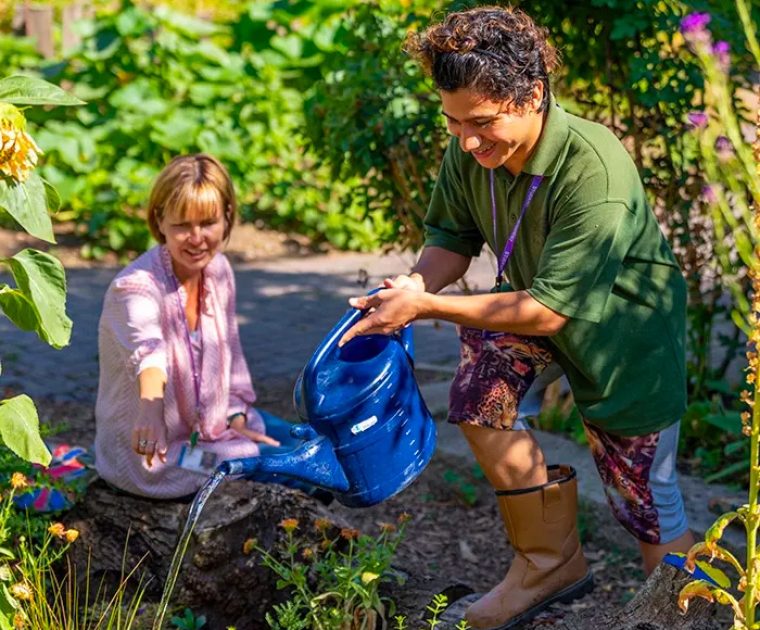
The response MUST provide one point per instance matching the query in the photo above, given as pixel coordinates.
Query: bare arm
(515, 312)
(437, 268)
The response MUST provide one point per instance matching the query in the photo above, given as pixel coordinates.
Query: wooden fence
(38, 22)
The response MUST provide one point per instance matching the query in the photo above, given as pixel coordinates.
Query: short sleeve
(449, 222)
(133, 313)
(582, 257)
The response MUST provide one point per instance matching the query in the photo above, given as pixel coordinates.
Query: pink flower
(723, 149)
(694, 27)
(722, 52)
(709, 194)
(697, 120)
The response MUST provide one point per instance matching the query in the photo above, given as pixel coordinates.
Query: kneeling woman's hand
(149, 434)
(238, 423)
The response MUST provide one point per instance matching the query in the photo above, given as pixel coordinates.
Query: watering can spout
(313, 462)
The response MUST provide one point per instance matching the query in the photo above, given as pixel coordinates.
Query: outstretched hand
(389, 310)
(239, 423)
(149, 434)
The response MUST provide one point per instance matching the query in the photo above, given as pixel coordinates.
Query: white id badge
(197, 460)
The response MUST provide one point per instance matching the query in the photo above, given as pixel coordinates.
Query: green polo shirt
(589, 247)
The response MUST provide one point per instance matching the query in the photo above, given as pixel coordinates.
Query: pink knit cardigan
(141, 326)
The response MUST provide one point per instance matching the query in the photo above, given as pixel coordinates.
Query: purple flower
(697, 120)
(724, 149)
(709, 194)
(722, 52)
(695, 23)
(694, 28)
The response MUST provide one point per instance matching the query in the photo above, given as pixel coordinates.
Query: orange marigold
(71, 535)
(249, 545)
(322, 524)
(387, 527)
(18, 152)
(349, 533)
(18, 621)
(289, 525)
(404, 518)
(57, 529)
(19, 481)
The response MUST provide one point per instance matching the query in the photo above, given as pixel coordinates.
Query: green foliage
(376, 120)
(189, 621)
(334, 585)
(161, 83)
(561, 419)
(38, 301)
(59, 599)
(20, 429)
(436, 608)
(465, 490)
(734, 177)
(711, 441)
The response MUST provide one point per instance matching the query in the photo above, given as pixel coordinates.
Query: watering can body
(368, 431)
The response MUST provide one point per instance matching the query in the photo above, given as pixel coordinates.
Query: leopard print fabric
(494, 373)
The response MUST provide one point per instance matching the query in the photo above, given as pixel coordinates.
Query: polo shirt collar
(546, 158)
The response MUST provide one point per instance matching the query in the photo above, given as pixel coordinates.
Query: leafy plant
(436, 608)
(375, 120)
(161, 83)
(734, 180)
(189, 621)
(37, 302)
(334, 585)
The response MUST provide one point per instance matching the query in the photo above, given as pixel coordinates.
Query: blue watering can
(368, 432)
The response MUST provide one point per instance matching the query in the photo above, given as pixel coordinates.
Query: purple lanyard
(196, 374)
(510, 244)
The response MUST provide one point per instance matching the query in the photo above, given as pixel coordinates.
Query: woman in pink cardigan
(175, 396)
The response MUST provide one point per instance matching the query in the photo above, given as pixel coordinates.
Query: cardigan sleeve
(133, 313)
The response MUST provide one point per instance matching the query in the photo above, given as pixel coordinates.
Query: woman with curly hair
(592, 288)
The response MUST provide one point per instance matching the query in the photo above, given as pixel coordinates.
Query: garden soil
(455, 531)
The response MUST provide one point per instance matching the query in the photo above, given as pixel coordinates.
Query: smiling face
(193, 237)
(495, 133)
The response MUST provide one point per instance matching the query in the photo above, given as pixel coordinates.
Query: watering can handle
(351, 318)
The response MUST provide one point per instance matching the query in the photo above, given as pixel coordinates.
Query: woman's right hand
(149, 437)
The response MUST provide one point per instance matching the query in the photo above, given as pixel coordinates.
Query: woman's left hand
(238, 423)
(390, 309)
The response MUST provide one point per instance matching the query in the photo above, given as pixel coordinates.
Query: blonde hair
(194, 185)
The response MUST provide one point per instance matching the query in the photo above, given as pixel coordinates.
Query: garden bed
(455, 531)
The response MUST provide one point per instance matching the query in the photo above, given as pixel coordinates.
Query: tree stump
(121, 533)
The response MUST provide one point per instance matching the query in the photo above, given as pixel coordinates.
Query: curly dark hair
(497, 52)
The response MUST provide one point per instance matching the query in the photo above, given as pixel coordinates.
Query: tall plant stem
(749, 29)
(754, 465)
(752, 514)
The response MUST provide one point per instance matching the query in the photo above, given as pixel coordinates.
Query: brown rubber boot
(549, 567)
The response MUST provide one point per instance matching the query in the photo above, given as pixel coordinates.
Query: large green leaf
(20, 429)
(30, 91)
(19, 309)
(52, 196)
(8, 607)
(42, 280)
(27, 202)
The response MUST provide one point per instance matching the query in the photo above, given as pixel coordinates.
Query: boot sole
(566, 596)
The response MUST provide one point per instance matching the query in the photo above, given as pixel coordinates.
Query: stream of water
(192, 518)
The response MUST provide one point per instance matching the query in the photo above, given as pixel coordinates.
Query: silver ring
(144, 443)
